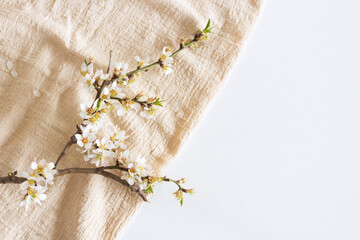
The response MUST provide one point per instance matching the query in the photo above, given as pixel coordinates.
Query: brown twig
(12, 178)
(67, 146)
(101, 171)
(108, 69)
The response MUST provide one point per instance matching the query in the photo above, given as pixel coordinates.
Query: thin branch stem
(100, 171)
(67, 146)
(141, 69)
(108, 69)
(63, 152)
(165, 179)
(133, 100)
(12, 178)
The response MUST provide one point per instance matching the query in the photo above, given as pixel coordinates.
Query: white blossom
(31, 180)
(85, 139)
(103, 157)
(44, 169)
(121, 68)
(34, 195)
(142, 62)
(41, 172)
(116, 136)
(86, 111)
(89, 154)
(148, 112)
(167, 69)
(121, 110)
(100, 76)
(102, 154)
(166, 56)
(125, 158)
(104, 144)
(126, 105)
(105, 93)
(129, 176)
(94, 119)
(140, 166)
(96, 122)
(115, 91)
(137, 169)
(87, 71)
(166, 60)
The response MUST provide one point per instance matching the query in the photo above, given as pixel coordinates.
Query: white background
(277, 155)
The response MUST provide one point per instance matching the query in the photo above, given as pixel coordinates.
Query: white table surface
(277, 156)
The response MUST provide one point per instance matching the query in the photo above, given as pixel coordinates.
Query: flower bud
(190, 191)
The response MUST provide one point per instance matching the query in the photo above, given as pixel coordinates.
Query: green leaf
(207, 25)
(158, 102)
(149, 189)
(181, 201)
(208, 30)
(98, 103)
(86, 62)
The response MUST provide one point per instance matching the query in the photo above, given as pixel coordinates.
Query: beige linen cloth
(47, 42)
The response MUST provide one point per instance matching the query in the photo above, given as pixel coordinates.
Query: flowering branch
(100, 171)
(102, 145)
(164, 59)
(12, 178)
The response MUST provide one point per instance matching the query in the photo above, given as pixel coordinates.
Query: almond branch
(101, 171)
(12, 178)
(183, 46)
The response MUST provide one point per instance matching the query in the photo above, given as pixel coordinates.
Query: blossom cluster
(111, 95)
(101, 151)
(39, 176)
(108, 150)
(137, 169)
(105, 145)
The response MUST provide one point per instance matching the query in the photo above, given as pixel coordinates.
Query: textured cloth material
(47, 42)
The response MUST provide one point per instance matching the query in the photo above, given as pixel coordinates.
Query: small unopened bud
(178, 194)
(181, 180)
(203, 37)
(182, 42)
(190, 191)
(139, 95)
(194, 45)
(151, 100)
